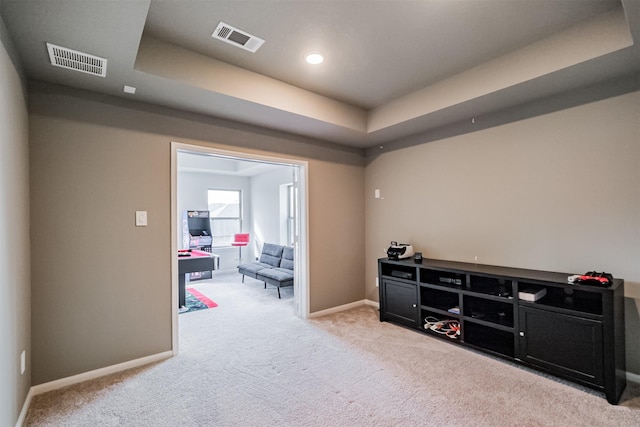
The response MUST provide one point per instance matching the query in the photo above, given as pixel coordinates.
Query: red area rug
(195, 301)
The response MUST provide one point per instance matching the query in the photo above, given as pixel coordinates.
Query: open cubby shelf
(435, 315)
(494, 286)
(436, 298)
(443, 278)
(570, 299)
(572, 331)
(439, 312)
(491, 311)
(401, 272)
(494, 340)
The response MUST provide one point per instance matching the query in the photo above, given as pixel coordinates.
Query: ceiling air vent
(237, 37)
(74, 60)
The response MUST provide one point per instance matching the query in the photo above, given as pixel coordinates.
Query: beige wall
(558, 192)
(336, 212)
(102, 287)
(512, 195)
(15, 329)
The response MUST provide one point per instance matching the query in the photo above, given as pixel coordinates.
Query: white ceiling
(393, 68)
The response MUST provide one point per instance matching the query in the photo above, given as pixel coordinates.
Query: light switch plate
(141, 218)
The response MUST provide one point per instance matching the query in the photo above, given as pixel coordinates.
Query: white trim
(633, 378)
(302, 293)
(301, 267)
(374, 304)
(25, 408)
(97, 373)
(344, 307)
(237, 154)
(174, 249)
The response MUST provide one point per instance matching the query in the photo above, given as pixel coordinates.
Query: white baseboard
(633, 378)
(374, 304)
(97, 373)
(25, 408)
(85, 376)
(343, 308)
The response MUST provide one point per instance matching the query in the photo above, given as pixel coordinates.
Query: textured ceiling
(393, 69)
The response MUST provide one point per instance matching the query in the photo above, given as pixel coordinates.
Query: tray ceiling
(392, 69)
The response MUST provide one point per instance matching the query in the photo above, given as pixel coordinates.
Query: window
(225, 211)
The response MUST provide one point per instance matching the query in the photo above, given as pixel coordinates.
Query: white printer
(399, 251)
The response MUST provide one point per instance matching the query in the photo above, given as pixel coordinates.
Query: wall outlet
(23, 362)
(377, 282)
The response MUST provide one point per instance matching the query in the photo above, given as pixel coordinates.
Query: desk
(196, 261)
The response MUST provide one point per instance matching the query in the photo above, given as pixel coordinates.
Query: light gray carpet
(251, 362)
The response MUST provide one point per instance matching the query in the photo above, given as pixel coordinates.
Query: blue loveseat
(275, 266)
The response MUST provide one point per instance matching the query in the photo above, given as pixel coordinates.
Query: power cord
(450, 328)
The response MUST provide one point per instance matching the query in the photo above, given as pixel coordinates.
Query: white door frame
(301, 251)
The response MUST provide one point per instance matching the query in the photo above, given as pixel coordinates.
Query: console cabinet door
(399, 302)
(566, 344)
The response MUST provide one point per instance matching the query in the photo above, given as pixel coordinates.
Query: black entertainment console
(572, 331)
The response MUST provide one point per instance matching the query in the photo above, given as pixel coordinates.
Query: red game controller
(594, 278)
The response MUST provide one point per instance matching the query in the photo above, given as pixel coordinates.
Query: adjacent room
(403, 212)
(230, 208)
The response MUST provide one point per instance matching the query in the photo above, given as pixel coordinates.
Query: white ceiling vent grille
(237, 37)
(78, 61)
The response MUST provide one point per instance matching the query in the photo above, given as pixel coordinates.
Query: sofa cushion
(252, 268)
(287, 259)
(271, 254)
(276, 274)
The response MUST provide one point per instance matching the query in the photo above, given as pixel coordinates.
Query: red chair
(240, 240)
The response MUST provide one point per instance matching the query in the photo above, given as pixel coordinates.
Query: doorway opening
(294, 215)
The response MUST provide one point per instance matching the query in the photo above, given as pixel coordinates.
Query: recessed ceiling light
(129, 89)
(314, 58)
